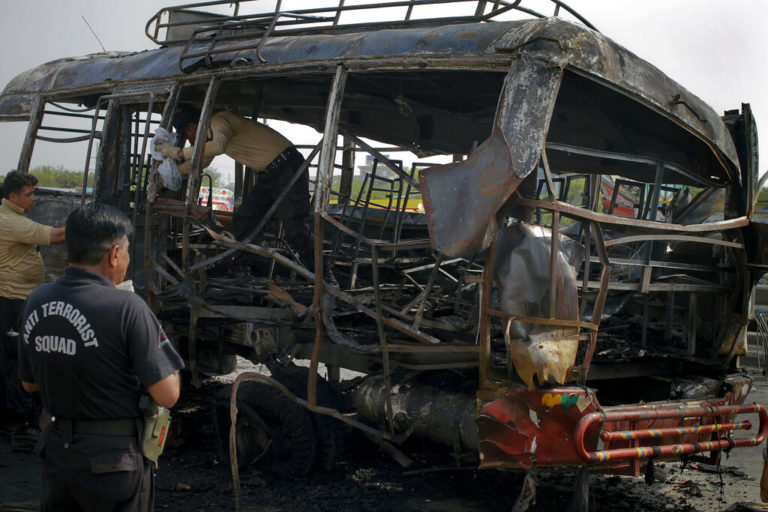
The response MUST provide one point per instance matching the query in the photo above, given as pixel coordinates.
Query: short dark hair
(15, 181)
(184, 115)
(92, 230)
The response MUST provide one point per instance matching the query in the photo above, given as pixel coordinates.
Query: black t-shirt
(92, 348)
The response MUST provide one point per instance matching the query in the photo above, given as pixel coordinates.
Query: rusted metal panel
(525, 110)
(38, 79)
(574, 47)
(557, 427)
(521, 428)
(322, 195)
(449, 42)
(37, 109)
(177, 208)
(16, 107)
(615, 221)
(462, 198)
(130, 93)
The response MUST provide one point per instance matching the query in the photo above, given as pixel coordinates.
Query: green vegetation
(218, 180)
(58, 177)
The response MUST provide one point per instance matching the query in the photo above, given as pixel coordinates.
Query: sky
(718, 50)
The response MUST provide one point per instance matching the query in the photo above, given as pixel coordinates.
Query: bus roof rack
(189, 23)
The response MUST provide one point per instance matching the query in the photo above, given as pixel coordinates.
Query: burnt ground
(194, 476)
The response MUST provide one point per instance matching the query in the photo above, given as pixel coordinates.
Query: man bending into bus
(271, 155)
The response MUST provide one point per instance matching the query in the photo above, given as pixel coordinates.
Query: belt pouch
(157, 421)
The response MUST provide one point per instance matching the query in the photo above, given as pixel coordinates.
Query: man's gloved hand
(167, 149)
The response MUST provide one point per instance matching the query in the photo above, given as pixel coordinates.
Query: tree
(215, 177)
(49, 176)
(59, 177)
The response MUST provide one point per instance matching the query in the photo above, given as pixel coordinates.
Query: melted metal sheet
(461, 199)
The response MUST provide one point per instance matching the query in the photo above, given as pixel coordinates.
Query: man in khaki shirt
(275, 161)
(21, 271)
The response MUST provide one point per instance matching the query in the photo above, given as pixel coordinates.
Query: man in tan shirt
(21, 271)
(275, 161)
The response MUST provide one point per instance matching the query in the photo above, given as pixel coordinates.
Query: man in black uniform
(92, 350)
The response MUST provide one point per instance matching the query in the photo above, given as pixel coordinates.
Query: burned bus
(568, 288)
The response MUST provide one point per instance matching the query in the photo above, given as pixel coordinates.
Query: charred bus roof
(432, 89)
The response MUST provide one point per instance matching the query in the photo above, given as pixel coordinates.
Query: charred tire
(328, 431)
(212, 362)
(273, 433)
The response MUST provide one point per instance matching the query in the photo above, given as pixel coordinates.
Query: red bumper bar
(651, 414)
(674, 431)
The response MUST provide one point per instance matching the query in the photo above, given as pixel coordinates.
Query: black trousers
(84, 472)
(10, 385)
(293, 211)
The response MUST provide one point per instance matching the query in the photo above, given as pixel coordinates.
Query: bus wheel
(328, 430)
(273, 434)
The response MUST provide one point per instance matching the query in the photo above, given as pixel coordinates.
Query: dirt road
(194, 477)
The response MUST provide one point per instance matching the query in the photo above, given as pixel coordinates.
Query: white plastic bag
(168, 170)
(169, 173)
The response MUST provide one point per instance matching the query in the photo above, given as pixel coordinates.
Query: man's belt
(121, 427)
(282, 157)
